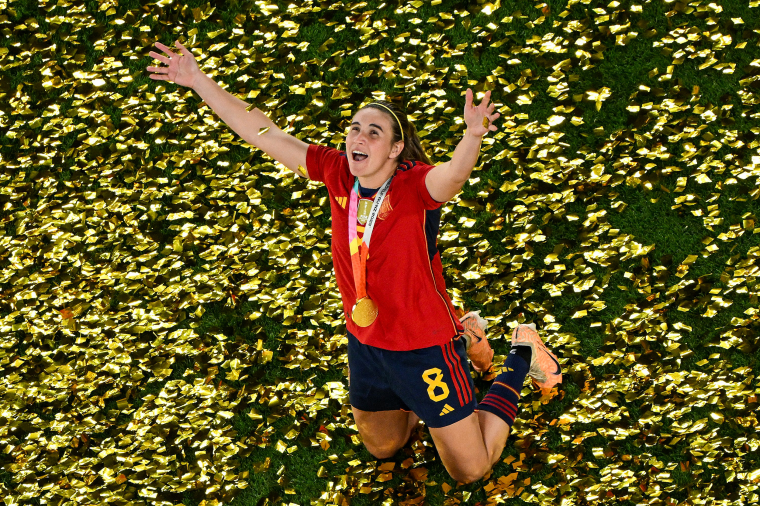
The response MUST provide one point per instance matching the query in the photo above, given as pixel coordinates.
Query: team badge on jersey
(365, 206)
(386, 208)
(362, 214)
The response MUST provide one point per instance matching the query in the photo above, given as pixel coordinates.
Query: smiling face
(370, 148)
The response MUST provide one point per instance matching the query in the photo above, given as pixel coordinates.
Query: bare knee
(383, 432)
(469, 474)
(385, 450)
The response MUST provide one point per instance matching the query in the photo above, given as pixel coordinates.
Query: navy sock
(502, 397)
(522, 351)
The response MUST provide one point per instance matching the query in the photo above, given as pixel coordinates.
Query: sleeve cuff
(427, 200)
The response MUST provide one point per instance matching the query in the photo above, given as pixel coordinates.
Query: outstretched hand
(479, 118)
(181, 68)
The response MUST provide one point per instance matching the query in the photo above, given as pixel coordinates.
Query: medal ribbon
(359, 247)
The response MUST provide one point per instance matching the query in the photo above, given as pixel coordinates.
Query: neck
(377, 179)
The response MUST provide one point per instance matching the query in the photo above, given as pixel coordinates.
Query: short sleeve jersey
(404, 272)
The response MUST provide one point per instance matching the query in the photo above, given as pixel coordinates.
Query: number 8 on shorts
(433, 377)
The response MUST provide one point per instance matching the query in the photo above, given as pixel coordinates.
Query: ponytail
(413, 150)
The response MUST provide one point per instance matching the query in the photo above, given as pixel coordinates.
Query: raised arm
(183, 70)
(445, 180)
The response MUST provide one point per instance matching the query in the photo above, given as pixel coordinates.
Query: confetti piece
(126, 235)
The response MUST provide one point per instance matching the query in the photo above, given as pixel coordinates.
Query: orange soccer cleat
(478, 350)
(544, 366)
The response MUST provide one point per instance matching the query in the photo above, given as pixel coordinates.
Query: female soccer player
(406, 348)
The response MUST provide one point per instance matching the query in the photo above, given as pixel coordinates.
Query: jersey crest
(386, 207)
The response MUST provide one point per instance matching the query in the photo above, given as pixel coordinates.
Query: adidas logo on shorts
(446, 410)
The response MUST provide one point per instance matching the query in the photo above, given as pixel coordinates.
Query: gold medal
(362, 214)
(364, 312)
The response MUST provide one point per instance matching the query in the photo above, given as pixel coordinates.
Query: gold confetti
(168, 305)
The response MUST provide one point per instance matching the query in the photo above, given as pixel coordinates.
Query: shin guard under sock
(502, 397)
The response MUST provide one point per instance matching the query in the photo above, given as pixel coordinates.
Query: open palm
(181, 68)
(479, 118)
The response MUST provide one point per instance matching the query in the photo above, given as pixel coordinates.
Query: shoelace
(472, 333)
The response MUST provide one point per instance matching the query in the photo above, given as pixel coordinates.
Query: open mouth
(359, 156)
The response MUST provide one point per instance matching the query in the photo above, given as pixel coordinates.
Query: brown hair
(413, 150)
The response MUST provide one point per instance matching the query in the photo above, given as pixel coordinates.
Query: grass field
(170, 327)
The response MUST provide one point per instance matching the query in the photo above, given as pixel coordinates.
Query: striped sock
(502, 397)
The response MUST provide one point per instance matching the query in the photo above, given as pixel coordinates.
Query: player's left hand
(479, 118)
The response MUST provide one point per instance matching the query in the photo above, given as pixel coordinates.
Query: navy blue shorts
(434, 382)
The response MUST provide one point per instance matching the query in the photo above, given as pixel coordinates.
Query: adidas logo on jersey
(342, 201)
(446, 410)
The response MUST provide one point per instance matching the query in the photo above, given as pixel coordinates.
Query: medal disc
(365, 312)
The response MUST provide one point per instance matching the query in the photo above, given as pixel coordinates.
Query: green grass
(629, 285)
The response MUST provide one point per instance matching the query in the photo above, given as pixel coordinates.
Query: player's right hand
(181, 68)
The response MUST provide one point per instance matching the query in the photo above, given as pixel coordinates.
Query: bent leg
(385, 432)
(495, 433)
(471, 446)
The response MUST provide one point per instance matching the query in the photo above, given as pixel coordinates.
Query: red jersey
(404, 271)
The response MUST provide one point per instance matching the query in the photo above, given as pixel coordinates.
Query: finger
(468, 98)
(158, 70)
(162, 59)
(185, 51)
(487, 96)
(491, 107)
(159, 77)
(165, 49)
